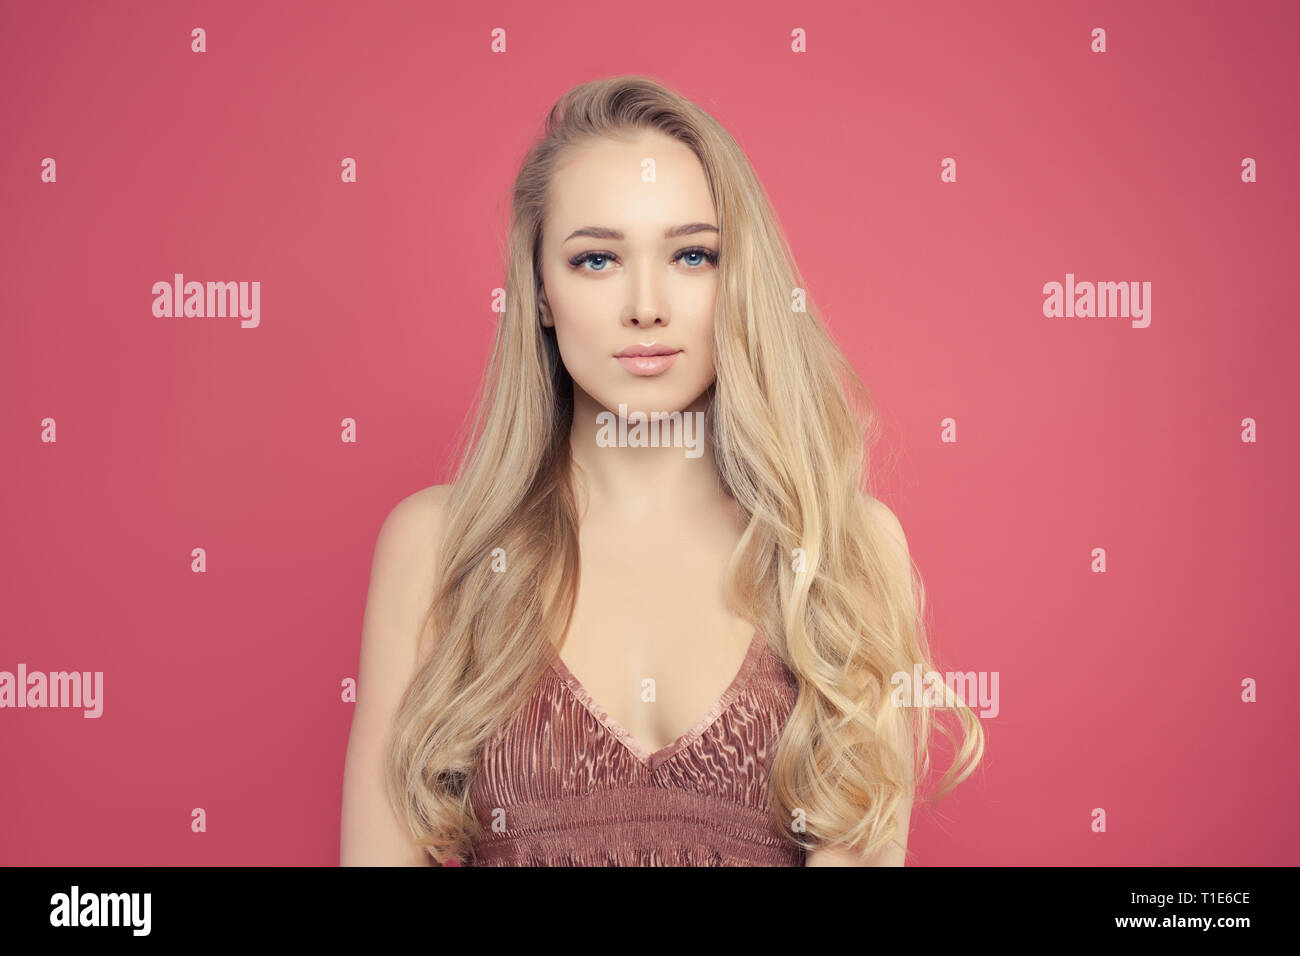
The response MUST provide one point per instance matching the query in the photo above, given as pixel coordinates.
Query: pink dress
(567, 786)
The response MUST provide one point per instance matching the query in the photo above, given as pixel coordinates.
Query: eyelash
(709, 255)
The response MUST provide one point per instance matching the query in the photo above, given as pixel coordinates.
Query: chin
(646, 399)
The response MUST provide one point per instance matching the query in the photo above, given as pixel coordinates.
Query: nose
(647, 307)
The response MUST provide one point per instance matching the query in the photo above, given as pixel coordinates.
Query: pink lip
(652, 349)
(654, 364)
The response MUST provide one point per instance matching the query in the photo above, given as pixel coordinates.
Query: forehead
(603, 183)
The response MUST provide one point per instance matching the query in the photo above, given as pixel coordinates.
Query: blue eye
(699, 255)
(707, 255)
(588, 257)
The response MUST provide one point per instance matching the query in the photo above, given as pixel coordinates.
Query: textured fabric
(570, 787)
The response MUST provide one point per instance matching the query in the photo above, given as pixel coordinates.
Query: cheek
(575, 304)
(703, 335)
(580, 329)
(584, 349)
(708, 366)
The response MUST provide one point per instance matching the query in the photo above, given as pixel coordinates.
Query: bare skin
(651, 605)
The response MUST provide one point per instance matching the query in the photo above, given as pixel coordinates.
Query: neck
(634, 482)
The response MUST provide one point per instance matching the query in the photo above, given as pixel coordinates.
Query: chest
(652, 639)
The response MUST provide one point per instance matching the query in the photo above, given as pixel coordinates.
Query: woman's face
(629, 253)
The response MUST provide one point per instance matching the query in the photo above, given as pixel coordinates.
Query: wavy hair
(787, 421)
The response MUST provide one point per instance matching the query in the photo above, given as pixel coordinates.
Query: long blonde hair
(787, 422)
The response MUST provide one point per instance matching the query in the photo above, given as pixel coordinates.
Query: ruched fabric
(564, 785)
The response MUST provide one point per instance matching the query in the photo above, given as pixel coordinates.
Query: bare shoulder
(417, 515)
(408, 539)
(402, 578)
(405, 567)
(883, 519)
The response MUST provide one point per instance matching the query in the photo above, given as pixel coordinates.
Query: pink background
(1118, 690)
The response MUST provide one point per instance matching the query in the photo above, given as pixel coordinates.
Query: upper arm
(896, 542)
(401, 586)
(893, 853)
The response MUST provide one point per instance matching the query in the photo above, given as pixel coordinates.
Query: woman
(664, 616)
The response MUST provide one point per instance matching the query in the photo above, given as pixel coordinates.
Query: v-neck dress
(563, 784)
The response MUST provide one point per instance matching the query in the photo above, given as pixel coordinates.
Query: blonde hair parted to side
(786, 421)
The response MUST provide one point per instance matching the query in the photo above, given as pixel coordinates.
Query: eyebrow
(672, 232)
